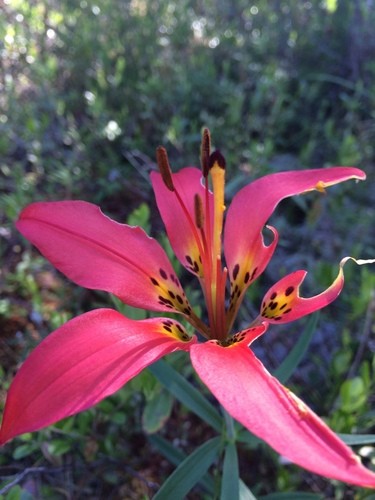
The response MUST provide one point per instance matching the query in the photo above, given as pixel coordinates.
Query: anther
(205, 152)
(164, 167)
(198, 211)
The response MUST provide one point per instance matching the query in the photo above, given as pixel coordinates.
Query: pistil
(218, 275)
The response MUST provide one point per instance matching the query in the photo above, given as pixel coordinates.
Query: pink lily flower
(95, 354)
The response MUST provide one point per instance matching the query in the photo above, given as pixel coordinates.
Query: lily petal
(283, 303)
(259, 402)
(253, 205)
(99, 253)
(180, 223)
(82, 362)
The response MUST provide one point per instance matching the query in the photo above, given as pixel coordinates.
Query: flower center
(204, 258)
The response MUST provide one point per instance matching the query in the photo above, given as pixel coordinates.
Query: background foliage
(88, 90)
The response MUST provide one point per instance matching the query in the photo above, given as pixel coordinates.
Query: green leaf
(245, 493)
(190, 471)
(59, 447)
(230, 481)
(176, 456)
(353, 395)
(292, 495)
(352, 439)
(157, 411)
(246, 437)
(24, 450)
(186, 393)
(171, 453)
(290, 363)
(17, 493)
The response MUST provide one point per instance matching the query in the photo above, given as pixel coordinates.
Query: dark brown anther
(164, 167)
(205, 151)
(198, 211)
(218, 158)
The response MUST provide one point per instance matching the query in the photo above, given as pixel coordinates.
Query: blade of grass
(190, 471)
(175, 456)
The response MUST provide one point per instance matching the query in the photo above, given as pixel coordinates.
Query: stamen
(198, 211)
(205, 151)
(164, 167)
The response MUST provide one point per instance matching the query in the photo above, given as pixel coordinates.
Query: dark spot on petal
(171, 294)
(283, 306)
(165, 301)
(277, 318)
(246, 278)
(253, 273)
(179, 299)
(289, 290)
(273, 306)
(273, 296)
(287, 311)
(235, 271)
(154, 281)
(189, 259)
(163, 274)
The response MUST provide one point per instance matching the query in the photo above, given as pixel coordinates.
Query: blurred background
(88, 90)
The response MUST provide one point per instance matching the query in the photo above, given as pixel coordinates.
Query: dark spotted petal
(252, 206)
(283, 303)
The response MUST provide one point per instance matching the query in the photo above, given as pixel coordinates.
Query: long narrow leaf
(290, 363)
(245, 493)
(292, 495)
(186, 394)
(190, 471)
(230, 481)
(175, 456)
(352, 439)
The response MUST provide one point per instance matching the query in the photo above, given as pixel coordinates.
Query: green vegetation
(88, 90)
